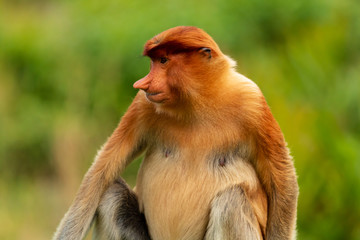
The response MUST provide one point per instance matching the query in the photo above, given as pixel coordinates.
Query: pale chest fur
(175, 187)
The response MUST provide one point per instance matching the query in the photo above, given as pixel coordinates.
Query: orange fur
(194, 109)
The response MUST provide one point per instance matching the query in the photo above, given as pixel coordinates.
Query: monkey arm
(123, 146)
(276, 172)
(282, 201)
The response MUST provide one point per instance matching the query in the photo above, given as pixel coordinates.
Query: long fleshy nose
(143, 83)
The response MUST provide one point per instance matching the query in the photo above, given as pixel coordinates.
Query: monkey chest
(175, 190)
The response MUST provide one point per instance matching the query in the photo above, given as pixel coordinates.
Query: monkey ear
(205, 52)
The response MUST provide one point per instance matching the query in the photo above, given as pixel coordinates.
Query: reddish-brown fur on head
(182, 38)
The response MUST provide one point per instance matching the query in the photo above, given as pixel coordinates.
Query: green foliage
(66, 74)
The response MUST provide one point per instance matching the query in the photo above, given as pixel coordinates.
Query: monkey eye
(206, 51)
(163, 60)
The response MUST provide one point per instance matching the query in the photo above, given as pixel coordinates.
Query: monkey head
(185, 64)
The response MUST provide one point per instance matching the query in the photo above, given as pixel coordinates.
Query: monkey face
(155, 84)
(185, 63)
(175, 77)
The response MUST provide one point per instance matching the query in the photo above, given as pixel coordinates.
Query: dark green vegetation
(66, 74)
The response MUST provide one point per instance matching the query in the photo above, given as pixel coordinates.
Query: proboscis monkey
(216, 164)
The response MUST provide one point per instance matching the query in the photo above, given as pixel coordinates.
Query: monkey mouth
(156, 97)
(152, 94)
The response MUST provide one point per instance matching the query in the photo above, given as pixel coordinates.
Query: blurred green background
(66, 74)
